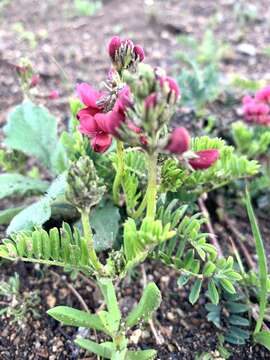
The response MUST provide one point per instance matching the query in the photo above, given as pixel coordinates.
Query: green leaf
(33, 130)
(104, 349)
(195, 291)
(227, 285)
(263, 338)
(38, 213)
(141, 355)
(108, 291)
(34, 215)
(59, 159)
(74, 317)
(262, 262)
(213, 292)
(7, 215)
(17, 184)
(238, 320)
(183, 280)
(149, 302)
(105, 223)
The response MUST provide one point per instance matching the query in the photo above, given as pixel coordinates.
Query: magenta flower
(150, 101)
(205, 159)
(257, 109)
(263, 94)
(179, 141)
(34, 80)
(54, 94)
(98, 125)
(115, 44)
(172, 86)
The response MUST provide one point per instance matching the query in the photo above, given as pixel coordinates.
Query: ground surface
(66, 48)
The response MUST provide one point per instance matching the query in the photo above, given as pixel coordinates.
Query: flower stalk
(90, 241)
(119, 171)
(152, 186)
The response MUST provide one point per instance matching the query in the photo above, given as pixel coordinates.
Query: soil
(66, 47)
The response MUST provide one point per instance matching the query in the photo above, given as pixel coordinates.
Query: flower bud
(151, 101)
(114, 46)
(34, 80)
(179, 141)
(54, 94)
(124, 54)
(171, 88)
(139, 52)
(83, 189)
(204, 159)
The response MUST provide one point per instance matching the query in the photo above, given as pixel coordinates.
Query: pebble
(247, 49)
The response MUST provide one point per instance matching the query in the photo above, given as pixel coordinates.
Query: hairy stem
(119, 172)
(90, 241)
(152, 186)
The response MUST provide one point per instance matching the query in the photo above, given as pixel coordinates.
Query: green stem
(152, 186)
(90, 241)
(137, 213)
(119, 172)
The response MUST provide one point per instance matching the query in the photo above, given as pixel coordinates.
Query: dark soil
(70, 48)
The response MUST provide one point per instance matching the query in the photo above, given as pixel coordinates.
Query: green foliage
(12, 160)
(18, 305)
(246, 84)
(200, 79)
(33, 130)
(104, 221)
(39, 212)
(15, 184)
(87, 7)
(199, 85)
(228, 316)
(8, 214)
(111, 323)
(149, 303)
(134, 177)
(138, 243)
(263, 338)
(62, 247)
(228, 168)
(251, 141)
(262, 263)
(189, 252)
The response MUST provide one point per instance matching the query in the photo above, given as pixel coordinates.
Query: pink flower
(98, 125)
(150, 101)
(172, 85)
(34, 80)
(127, 45)
(179, 141)
(263, 94)
(139, 52)
(54, 94)
(205, 159)
(114, 46)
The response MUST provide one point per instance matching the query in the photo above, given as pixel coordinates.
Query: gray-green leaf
(17, 184)
(33, 130)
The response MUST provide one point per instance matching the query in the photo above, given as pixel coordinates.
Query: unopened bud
(179, 141)
(83, 190)
(35, 80)
(54, 94)
(204, 159)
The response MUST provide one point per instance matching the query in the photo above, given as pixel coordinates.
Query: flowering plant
(134, 111)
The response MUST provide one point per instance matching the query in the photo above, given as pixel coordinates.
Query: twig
(240, 243)
(209, 226)
(75, 292)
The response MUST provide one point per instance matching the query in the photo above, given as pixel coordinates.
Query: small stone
(135, 337)
(51, 301)
(247, 49)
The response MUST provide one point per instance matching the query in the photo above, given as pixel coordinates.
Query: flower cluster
(179, 143)
(135, 107)
(257, 109)
(124, 53)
